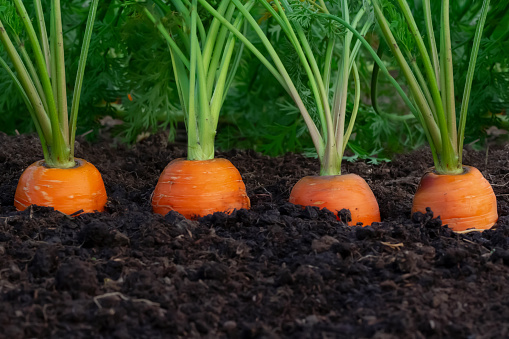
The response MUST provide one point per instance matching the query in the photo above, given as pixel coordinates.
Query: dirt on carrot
(337, 193)
(275, 270)
(463, 201)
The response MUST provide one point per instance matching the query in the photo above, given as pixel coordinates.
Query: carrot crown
(205, 59)
(40, 77)
(431, 81)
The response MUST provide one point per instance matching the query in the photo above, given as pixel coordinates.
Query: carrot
(60, 180)
(204, 61)
(462, 201)
(336, 192)
(459, 194)
(195, 188)
(67, 190)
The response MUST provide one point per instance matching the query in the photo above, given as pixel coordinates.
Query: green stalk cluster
(331, 135)
(431, 81)
(205, 59)
(41, 78)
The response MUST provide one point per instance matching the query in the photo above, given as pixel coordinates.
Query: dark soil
(274, 271)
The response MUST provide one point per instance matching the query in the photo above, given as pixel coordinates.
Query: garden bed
(274, 271)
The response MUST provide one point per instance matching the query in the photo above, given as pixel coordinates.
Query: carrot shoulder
(462, 201)
(67, 190)
(195, 188)
(337, 192)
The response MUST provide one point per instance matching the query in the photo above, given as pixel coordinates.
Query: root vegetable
(195, 188)
(67, 190)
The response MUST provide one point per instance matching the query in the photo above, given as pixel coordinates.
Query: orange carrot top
(68, 190)
(195, 188)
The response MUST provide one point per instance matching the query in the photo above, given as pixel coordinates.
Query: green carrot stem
(181, 6)
(238, 58)
(341, 92)
(58, 55)
(213, 33)
(220, 39)
(53, 60)
(31, 71)
(355, 106)
(422, 84)
(81, 73)
(163, 6)
(193, 152)
(27, 84)
(450, 99)
(226, 73)
(431, 38)
(355, 50)
(340, 95)
(329, 52)
(178, 52)
(315, 81)
(182, 82)
(206, 130)
(43, 34)
(247, 43)
(374, 78)
(470, 77)
(219, 92)
(322, 6)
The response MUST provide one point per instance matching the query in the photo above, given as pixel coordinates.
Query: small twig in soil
(468, 231)
(123, 297)
(470, 242)
(503, 185)
(44, 313)
(5, 224)
(366, 257)
(393, 246)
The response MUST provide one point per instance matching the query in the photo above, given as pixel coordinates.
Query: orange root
(337, 192)
(462, 201)
(196, 188)
(67, 190)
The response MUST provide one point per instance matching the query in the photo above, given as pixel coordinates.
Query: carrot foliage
(40, 75)
(426, 62)
(205, 57)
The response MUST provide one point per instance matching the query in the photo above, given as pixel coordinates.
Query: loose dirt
(273, 271)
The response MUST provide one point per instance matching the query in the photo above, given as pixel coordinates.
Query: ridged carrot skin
(196, 188)
(66, 190)
(462, 201)
(337, 192)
